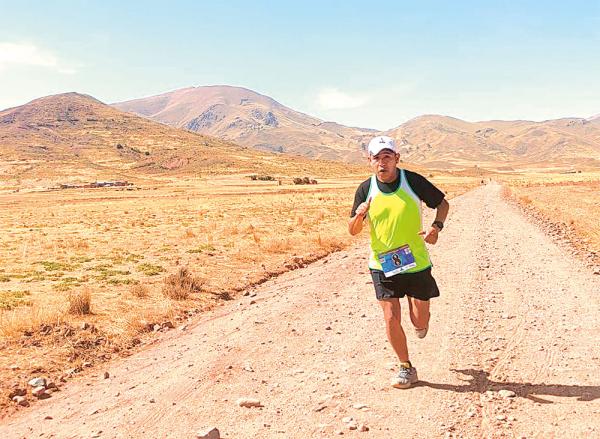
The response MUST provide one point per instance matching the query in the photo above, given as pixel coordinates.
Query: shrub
(179, 286)
(80, 302)
(262, 177)
(304, 180)
(139, 290)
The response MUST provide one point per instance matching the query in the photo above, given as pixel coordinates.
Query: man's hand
(431, 237)
(363, 208)
(355, 224)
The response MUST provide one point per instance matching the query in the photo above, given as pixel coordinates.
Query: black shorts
(420, 285)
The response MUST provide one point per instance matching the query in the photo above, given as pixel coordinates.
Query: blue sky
(373, 63)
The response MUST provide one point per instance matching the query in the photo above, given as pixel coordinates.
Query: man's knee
(419, 306)
(391, 311)
(419, 312)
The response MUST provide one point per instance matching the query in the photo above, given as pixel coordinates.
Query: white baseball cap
(379, 143)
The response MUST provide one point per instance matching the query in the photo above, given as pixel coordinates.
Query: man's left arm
(441, 214)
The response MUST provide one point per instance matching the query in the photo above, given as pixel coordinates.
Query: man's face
(384, 165)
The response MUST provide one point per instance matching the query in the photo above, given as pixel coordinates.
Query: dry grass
(182, 285)
(135, 323)
(80, 302)
(525, 199)
(23, 320)
(83, 244)
(330, 244)
(568, 199)
(139, 290)
(249, 229)
(189, 233)
(13, 299)
(277, 245)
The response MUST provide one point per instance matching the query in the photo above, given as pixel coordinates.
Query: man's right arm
(355, 224)
(359, 209)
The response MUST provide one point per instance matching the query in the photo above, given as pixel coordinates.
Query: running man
(391, 200)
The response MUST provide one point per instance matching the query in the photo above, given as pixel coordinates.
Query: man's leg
(419, 312)
(393, 326)
(407, 374)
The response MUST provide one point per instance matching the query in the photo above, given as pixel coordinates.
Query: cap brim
(378, 150)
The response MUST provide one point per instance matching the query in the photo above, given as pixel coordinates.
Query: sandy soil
(516, 313)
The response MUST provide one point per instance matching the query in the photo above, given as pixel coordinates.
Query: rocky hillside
(258, 121)
(75, 136)
(251, 119)
(439, 139)
(82, 133)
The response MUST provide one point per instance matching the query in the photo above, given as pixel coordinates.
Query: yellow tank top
(395, 220)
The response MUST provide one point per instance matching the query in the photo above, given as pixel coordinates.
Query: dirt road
(515, 314)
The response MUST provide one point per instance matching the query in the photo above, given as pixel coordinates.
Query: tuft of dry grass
(525, 200)
(13, 323)
(80, 302)
(330, 243)
(138, 322)
(181, 285)
(76, 244)
(139, 290)
(277, 245)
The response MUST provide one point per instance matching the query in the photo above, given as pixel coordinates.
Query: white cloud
(334, 99)
(28, 54)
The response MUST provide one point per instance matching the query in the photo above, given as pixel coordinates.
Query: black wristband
(438, 224)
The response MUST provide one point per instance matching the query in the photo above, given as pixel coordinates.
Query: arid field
(567, 203)
(88, 274)
(104, 266)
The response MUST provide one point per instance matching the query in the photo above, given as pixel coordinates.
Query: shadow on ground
(478, 381)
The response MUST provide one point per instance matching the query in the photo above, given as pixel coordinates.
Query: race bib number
(397, 260)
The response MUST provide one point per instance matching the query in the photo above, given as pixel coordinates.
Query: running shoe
(406, 376)
(421, 333)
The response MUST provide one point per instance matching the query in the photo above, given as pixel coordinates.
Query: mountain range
(224, 129)
(76, 137)
(251, 119)
(441, 139)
